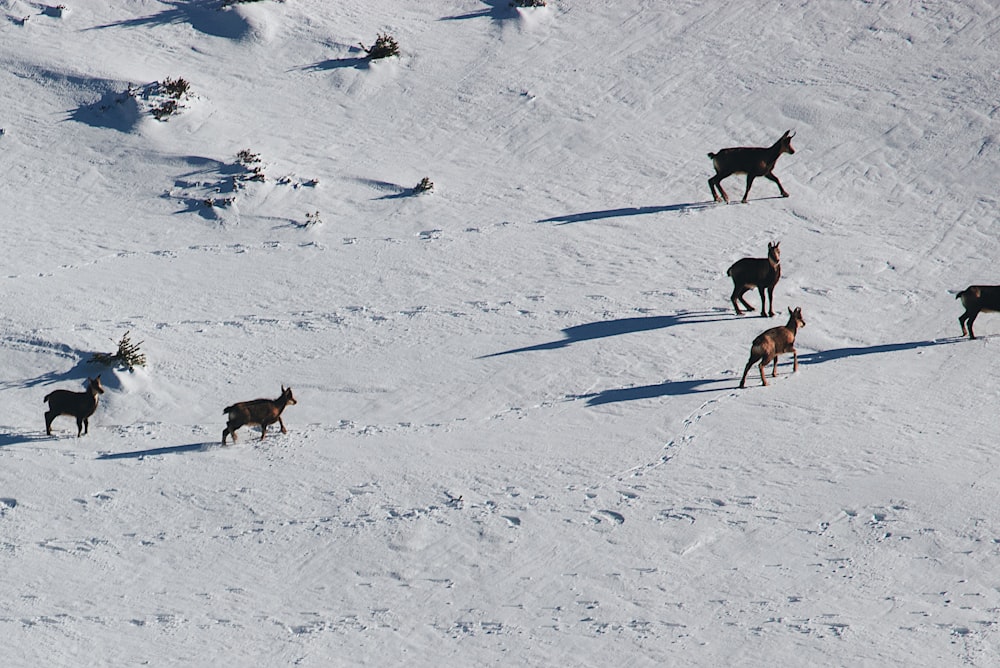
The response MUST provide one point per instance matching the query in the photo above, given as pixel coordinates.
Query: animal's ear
(789, 134)
(790, 311)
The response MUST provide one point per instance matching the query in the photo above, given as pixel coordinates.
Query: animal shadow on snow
(678, 387)
(203, 15)
(16, 438)
(821, 356)
(665, 389)
(608, 328)
(153, 452)
(498, 10)
(584, 216)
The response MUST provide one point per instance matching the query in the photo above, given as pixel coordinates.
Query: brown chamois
(751, 161)
(775, 341)
(80, 405)
(262, 412)
(976, 298)
(760, 272)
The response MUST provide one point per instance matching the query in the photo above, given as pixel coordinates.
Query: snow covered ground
(518, 438)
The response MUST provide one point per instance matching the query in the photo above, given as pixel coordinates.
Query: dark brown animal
(977, 298)
(263, 412)
(80, 405)
(760, 272)
(775, 341)
(751, 161)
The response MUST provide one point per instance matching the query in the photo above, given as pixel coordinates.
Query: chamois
(775, 341)
(751, 161)
(762, 273)
(262, 412)
(80, 405)
(976, 298)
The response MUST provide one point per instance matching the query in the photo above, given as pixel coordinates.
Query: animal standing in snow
(762, 273)
(775, 341)
(80, 405)
(263, 412)
(976, 298)
(751, 161)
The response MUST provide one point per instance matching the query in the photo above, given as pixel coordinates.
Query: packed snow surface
(519, 438)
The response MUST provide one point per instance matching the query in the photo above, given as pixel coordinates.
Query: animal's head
(796, 315)
(786, 142)
(773, 251)
(286, 394)
(94, 384)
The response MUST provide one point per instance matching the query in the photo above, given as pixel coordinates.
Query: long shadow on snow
(638, 211)
(821, 356)
(152, 452)
(14, 438)
(498, 10)
(203, 15)
(627, 211)
(606, 328)
(360, 63)
(664, 389)
(677, 387)
(81, 370)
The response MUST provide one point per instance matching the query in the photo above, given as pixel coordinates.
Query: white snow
(518, 438)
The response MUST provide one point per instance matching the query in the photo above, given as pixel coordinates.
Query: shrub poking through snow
(312, 219)
(162, 98)
(425, 186)
(384, 47)
(253, 166)
(527, 3)
(128, 355)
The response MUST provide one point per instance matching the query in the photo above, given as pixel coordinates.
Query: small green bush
(128, 355)
(384, 47)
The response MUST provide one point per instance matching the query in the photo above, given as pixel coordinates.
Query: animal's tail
(47, 396)
(972, 292)
(225, 411)
(729, 272)
(711, 156)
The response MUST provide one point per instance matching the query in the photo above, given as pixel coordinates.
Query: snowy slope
(518, 438)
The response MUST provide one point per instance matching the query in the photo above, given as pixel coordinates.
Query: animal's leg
(753, 358)
(770, 295)
(775, 179)
(763, 363)
(282, 423)
(972, 319)
(79, 427)
(961, 320)
(774, 369)
(225, 432)
(750, 178)
(716, 182)
(795, 361)
(50, 416)
(263, 430)
(738, 294)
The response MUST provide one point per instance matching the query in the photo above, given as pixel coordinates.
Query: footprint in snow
(607, 515)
